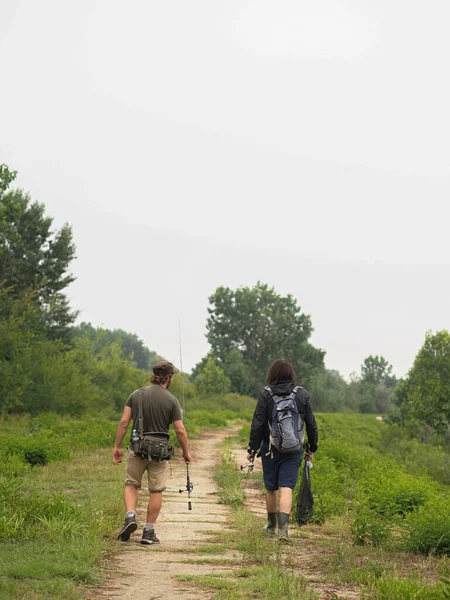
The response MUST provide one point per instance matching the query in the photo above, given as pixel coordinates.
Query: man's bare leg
(154, 506)
(285, 500)
(130, 496)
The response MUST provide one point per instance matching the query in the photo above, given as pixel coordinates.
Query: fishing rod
(189, 485)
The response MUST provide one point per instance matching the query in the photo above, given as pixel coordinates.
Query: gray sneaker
(283, 535)
(149, 537)
(129, 526)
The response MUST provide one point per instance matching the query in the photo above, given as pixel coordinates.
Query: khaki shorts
(156, 473)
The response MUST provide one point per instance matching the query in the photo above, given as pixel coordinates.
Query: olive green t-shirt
(159, 408)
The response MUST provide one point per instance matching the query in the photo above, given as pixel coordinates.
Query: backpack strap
(269, 389)
(140, 413)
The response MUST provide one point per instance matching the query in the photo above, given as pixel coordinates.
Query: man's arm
(182, 438)
(121, 431)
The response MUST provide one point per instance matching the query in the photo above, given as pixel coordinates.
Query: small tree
(376, 385)
(211, 380)
(425, 393)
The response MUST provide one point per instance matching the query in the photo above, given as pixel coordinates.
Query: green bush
(391, 491)
(369, 527)
(428, 527)
(391, 587)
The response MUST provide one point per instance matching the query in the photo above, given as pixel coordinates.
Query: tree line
(47, 363)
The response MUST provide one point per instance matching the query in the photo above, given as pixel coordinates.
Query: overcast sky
(197, 144)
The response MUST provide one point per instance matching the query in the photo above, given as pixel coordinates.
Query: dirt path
(147, 572)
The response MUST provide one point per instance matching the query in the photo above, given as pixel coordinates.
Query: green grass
(57, 525)
(229, 479)
(267, 582)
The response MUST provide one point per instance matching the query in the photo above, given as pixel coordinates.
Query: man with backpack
(152, 410)
(277, 435)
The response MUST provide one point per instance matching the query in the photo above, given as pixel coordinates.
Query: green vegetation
(212, 380)
(424, 396)
(354, 476)
(262, 326)
(386, 501)
(131, 346)
(35, 258)
(56, 524)
(382, 571)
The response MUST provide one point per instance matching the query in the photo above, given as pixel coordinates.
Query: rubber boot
(283, 519)
(271, 527)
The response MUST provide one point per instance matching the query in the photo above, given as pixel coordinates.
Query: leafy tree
(33, 257)
(132, 347)
(211, 380)
(376, 385)
(377, 370)
(234, 368)
(237, 372)
(329, 391)
(6, 178)
(262, 326)
(425, 393)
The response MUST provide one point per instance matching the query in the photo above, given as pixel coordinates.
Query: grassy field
(381, 499)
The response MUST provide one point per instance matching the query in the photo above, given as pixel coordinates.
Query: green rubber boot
(271, 527)
(283, 519)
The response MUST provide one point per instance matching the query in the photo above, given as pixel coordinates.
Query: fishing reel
(250, 466)
(188, 488)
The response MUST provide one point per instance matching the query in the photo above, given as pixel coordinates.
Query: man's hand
(251, 456)
(187, 457)
(118, 453)
(310, 456)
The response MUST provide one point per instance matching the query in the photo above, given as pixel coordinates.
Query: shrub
(391, 587)
(428, 527)
(369, 527)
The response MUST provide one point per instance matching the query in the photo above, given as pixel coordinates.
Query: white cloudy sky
(197, 144)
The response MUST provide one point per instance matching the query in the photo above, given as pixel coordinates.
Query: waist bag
(151, 446)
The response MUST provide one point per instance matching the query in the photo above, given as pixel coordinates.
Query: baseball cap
(164, 367)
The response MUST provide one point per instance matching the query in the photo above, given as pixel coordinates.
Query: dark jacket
(263, 412)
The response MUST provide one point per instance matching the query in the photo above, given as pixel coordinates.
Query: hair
(281, 371)
(160, 379)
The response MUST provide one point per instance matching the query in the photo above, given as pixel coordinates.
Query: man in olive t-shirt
(160, 409)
